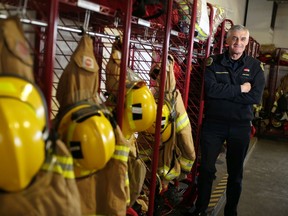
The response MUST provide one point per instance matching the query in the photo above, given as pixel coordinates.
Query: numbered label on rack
(144, 22)
(88, 5)
(173, 32)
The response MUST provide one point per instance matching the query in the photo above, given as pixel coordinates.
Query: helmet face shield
(23, 132)
(89, 136)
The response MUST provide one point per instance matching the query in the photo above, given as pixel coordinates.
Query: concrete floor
(265, 183)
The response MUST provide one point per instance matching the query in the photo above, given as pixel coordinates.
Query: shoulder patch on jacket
(262, 66)
(209, 61)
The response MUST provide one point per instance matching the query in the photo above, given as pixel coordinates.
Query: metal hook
(22, 7)
(146, 32)
(154, 34)
(117, 19)
(86, 21)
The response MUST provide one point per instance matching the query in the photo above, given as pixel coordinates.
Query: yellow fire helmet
(166, 127)
(139, 110)
(23, 131)
(89, 135)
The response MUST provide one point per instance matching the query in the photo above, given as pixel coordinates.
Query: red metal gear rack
(57, 30)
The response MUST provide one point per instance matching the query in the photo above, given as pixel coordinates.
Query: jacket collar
(227, 61)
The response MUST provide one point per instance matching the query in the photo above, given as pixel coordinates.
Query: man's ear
(247, 41)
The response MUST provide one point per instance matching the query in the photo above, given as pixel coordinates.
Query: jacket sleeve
(218, 90)
(254, 96)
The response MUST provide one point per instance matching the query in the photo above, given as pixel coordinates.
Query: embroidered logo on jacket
(262, 66)
(88, 62)
(209, 61)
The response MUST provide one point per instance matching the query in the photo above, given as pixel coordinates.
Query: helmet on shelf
(89, 135)
(166, 126)
(23, 132)
(139, 110)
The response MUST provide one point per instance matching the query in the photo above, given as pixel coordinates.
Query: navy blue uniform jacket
(223, 98)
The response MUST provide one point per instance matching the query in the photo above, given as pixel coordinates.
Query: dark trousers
(213, 136)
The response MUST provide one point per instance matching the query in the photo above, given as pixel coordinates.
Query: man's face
(237, 42)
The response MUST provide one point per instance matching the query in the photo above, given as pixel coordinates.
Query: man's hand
(245, 87)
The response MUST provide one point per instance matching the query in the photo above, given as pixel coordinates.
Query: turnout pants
(237, 137)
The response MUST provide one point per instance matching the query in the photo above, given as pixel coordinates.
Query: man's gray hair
(237, 28)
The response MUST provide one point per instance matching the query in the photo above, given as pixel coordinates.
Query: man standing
(234, 82)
